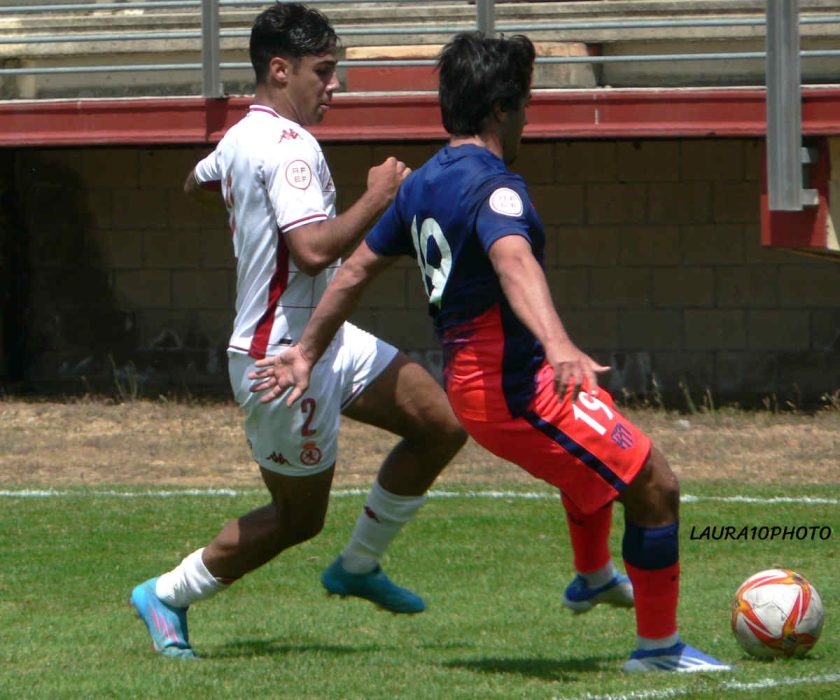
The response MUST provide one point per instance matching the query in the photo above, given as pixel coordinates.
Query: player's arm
(209, 198)
(315, 246)
(526, 289)
(293, 367)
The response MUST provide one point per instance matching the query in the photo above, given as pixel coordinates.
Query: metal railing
(199, 23)
(209, 34)
(785, 157)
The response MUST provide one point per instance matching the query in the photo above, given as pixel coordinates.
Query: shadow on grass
(245, 648)
(279, 646)
(542, 668)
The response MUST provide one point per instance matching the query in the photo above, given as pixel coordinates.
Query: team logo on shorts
(622, 437)
(298, 174)
(505, 201)
(310, 455)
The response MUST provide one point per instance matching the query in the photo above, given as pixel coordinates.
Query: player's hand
(574, 371)
(276, 374)
(385, 179)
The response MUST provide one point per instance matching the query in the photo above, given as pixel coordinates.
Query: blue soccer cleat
(580, 598)
(167, 625)
(374, 586)
(680, 658)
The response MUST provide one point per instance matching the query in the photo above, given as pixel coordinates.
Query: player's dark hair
(476, 73)
(290, 30)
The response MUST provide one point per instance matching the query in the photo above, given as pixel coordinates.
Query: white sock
(383, 517)
(188, 582)
(647, 644)
(599, 577)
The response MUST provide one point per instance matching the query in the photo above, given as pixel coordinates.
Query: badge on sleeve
(505, 201)
(299, 174)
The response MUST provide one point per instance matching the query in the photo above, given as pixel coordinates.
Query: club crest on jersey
(299, 174)
(622, 437)
(505, 201)
(310, 455)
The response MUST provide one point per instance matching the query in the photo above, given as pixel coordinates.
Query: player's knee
(294, 524)
(439, 431)
(653, 497)
(307, 533)
(444, 442)
(299, 532)
(664, 483)
(454, 434)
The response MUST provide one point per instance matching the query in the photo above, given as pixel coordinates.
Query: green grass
(492, 571)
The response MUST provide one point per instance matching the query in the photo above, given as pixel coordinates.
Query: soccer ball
(777, 613)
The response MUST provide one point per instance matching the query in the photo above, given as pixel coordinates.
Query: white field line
(728, 686)
(492, 494)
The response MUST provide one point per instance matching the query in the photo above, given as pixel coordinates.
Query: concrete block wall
(125, 270)
(659, 270)
(653, 258)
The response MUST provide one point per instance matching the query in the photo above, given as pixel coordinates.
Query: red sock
(590, 536)
(656, 592)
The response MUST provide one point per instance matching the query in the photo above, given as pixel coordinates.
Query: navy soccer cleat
(580, 598)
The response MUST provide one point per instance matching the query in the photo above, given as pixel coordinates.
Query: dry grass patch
(202, 445)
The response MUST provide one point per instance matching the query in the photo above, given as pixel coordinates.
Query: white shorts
(302, 439)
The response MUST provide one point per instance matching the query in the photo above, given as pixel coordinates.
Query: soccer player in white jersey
(288, 241)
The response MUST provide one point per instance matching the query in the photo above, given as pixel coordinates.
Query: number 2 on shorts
(307, 407)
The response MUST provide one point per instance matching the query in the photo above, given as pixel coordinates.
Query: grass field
(492, 569)
(489, 553)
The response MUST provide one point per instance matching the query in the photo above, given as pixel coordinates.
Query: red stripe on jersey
(305, 220)
(276, 287)
(267, 110)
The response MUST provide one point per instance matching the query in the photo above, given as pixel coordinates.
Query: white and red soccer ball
(777, 613)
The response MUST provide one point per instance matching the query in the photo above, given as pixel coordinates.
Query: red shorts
(587, 449)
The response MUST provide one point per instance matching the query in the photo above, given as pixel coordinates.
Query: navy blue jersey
(447, 215)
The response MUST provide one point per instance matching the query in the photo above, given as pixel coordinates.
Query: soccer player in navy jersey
(514, 378)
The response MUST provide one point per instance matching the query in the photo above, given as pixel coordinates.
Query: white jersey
(274, 178)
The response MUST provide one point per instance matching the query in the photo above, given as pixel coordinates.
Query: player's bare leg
(651, 555)
(296, 513)
(405, 400)
(652, 499)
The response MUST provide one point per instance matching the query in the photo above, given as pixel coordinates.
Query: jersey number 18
(434, 276)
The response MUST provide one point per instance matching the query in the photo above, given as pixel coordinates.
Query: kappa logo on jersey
(310, 455)
(288, 134)
(277, 458)
(299, 174)
(371, 513)
(505, 201)
(622, 437)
